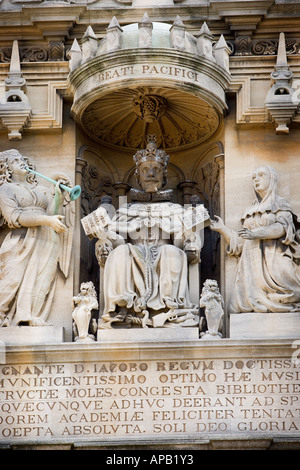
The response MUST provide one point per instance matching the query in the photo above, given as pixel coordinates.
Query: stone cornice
(100, 63)
(39, 22)
(229, 348)
(152, 68)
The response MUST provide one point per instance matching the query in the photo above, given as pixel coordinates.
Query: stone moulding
(215, 79)
(265, 348)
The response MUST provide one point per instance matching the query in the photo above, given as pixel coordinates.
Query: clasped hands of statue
(108, 240)
(218, 226)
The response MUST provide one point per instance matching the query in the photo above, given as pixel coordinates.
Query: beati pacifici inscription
(181, 73)
(103, 400)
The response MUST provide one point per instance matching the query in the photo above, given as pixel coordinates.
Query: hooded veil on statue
(268, 272)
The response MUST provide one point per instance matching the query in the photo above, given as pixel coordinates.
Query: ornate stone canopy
(149, 78)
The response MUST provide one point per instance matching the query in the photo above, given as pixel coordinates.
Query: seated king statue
(145, 250)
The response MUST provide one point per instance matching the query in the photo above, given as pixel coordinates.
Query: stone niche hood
(149, 78)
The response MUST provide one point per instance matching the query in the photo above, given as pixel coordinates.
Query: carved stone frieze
(270, 47)
(264, 47)
(245, 45)
(242, 45)
(55, 51)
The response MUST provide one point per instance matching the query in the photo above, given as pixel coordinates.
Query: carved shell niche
(124, 118)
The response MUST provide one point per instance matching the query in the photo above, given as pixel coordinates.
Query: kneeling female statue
(268, 249)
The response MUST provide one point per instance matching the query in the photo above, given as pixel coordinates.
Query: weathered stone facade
(82, 85)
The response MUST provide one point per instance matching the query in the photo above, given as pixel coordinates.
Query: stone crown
(151, 153)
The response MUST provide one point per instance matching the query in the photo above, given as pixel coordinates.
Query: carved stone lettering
(185, 397)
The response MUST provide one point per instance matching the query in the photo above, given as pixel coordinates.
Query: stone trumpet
(74, 192)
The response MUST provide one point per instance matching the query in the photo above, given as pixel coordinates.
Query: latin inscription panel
(159, 398)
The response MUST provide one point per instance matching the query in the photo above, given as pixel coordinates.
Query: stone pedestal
(24, 335)
(155, 335)
(265, 325)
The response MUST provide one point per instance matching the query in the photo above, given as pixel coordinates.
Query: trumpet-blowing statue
(37, 231)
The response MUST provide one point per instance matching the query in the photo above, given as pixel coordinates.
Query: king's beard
(152, 186)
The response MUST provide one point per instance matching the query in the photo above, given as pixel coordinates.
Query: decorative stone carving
(145, 32)
(221, 53)
(213, 303)
(34, 54)
(74, 55)
(268, 250)
(150, 107)
(205, 43)
(114, 36)
(207, 177)
(148, 247)
(84, 302)
(95, 186)
(264, 47)
(243, 45)
(15, 110)
(27, 54)
(56, 50)
(89, 44)
(37, 242)
(270, 46)
(164, 112)
(5, 54)
(279, 100)
(177, 34)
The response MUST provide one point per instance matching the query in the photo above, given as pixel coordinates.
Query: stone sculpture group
(144, 252)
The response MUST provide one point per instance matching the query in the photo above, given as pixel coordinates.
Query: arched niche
(97, 177)
(207, 176)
